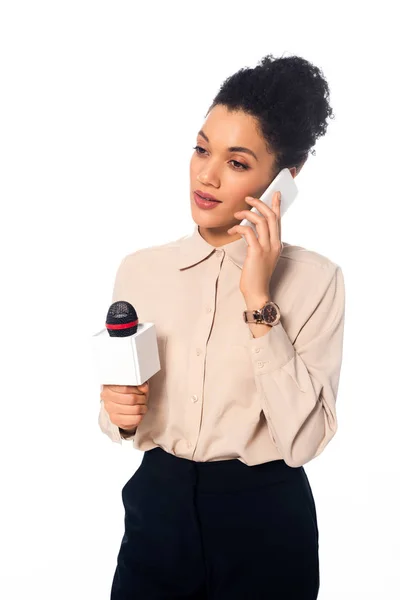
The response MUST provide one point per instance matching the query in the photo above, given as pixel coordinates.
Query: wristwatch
(268, 314)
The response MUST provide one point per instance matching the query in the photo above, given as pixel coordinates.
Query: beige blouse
(222, 393)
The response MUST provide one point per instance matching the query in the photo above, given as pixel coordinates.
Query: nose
(207, 178)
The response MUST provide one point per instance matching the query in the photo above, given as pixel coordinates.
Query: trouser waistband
(221, 475)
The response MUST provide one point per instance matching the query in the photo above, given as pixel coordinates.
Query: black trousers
(218, 531)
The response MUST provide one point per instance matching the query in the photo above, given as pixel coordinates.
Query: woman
(221, 507)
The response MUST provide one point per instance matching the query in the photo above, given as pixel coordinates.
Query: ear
(295, 171)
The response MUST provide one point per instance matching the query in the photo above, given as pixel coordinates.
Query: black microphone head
(122, 319)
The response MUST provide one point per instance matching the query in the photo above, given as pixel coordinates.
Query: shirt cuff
(271, 351)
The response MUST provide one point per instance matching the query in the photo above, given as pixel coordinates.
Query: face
(229, 175)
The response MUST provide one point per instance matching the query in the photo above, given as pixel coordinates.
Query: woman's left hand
(262, 253)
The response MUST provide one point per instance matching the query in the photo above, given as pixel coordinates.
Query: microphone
(125, 352)
(122, 319)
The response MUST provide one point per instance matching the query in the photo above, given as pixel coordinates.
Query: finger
(126, 409)
(126, 389)
(128, 399)
(277, 209)
(136, 409)
(143, 386)
(122, 389)
(272, 215)
(128, 421)
(248, 233)
(261, 224)
(263, 208)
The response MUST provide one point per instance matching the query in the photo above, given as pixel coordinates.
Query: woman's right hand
(126, 404)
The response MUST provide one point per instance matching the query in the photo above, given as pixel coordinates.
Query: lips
(206, 196)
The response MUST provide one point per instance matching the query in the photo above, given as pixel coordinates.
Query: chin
(205, 219)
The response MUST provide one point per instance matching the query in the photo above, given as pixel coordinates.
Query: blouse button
(260, 364)
(194, 398)
(257, 350)
(198, 351)
(208, 309)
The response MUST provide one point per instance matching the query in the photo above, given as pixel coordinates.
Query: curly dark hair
(289, 97)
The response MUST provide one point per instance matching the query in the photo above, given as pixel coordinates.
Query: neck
(217, 237)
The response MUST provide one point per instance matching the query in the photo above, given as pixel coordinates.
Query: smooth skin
(237, 178)
(126, 405)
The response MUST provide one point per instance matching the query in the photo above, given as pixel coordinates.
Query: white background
(100, 105)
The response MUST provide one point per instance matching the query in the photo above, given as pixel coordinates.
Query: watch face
(269, 313)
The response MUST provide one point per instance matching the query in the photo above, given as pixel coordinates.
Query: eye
(198, 147)
(241, 167)
(244, 167)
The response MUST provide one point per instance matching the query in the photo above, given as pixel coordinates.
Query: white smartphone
(283, 183)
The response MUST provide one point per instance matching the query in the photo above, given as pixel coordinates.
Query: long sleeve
(298, 382)
(105, 424)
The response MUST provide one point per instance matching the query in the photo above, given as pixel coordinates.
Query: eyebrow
(231, 148)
